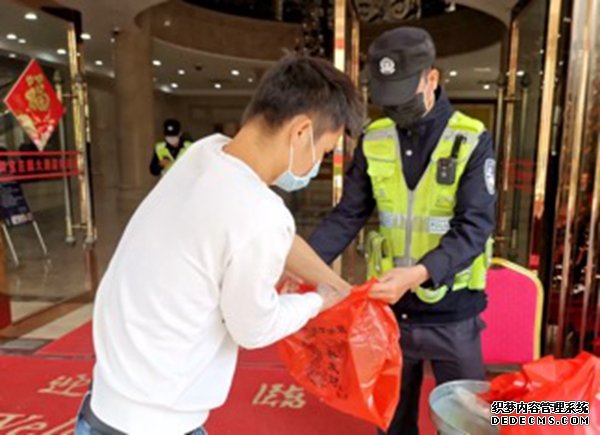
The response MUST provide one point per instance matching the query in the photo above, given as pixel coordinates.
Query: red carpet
(263, 399)
(78, 342)
(41, 395)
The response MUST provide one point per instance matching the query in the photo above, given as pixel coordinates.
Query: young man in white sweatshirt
(185, 289)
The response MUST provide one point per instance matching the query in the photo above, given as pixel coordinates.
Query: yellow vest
(162, 152)
(412, 222)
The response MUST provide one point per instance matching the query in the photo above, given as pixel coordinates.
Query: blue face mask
(290, 182)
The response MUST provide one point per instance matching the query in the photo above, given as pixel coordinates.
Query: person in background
(184, 290)
(168, 151)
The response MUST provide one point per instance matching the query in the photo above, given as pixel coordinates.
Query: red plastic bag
(552, 380)
(349, 357)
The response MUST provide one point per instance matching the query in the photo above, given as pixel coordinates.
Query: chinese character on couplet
(275, 396)
(68, 386)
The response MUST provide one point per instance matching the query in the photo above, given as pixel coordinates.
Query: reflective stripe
(392, 220)
(450, 133)
(430, 225)
(379, 134)
(404, 262)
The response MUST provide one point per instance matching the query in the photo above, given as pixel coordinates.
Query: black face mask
(408, 114)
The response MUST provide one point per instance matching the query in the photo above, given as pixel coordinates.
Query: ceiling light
(174, 85)
(86, 36)
(447, 81)
(235, 72)
(156, 62)
(11, 37)
(99, 63)
(30, 16)
(112, 40)
(181, 72)
(483, 69)
(12, 56)
(520, 73)
(453, 73)
(22, 41)
(218, 86)
(61, 51)
(487, 87)
(250, 80)
(167, 23)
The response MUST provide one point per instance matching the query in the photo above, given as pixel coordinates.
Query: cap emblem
(387, 66)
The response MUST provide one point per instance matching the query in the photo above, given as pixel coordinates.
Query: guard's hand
(331, 296)
(165, 163)
(395, 283)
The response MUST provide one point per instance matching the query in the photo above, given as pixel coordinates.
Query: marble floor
(49, 296)
(46, 297)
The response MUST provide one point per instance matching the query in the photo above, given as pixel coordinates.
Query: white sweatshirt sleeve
(255, 314)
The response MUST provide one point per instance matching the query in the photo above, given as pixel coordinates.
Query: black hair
(300, 84)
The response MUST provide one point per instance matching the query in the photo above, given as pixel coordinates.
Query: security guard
(430, 171)
(168, 151)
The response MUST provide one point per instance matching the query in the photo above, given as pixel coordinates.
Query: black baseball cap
(396, 62)
(171, 127)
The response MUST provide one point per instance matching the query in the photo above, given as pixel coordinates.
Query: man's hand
(331, 296)
(289, 283)
(394, 284)
(165, 163)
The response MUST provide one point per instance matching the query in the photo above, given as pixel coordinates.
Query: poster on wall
(14, 209)
(34, 103)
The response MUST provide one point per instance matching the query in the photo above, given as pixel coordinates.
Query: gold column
(545, 130)
(3, 275)
(547, 107)
(592, 279)
(339, 60)
(591, 139)
(572, 141)
(81, 132)
(503, 193)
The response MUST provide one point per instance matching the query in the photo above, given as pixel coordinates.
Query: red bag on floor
(349, 357)
(552, 380)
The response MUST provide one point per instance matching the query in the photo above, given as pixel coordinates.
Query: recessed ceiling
(47, 34)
